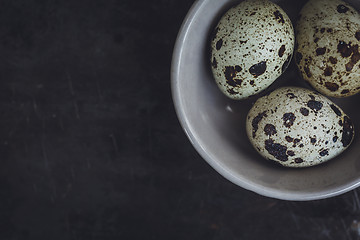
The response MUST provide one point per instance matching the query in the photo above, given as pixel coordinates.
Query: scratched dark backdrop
(90, 146)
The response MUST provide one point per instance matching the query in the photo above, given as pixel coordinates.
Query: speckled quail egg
(327, 54)
(251, 47)
(297, 127)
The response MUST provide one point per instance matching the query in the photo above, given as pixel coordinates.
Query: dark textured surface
(90, 144)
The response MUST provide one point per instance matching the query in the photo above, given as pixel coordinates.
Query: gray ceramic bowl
(215, 124)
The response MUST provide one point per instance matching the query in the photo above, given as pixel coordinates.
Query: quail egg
(297, 127)
(327, 54)
(251, 47)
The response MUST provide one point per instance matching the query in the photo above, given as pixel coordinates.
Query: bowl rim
(220, 168)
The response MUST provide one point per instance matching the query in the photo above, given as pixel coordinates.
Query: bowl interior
(215, 124)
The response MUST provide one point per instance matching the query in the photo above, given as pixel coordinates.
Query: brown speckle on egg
(288, 119)
(290, 153)
(357, 35)
(281, 51)
(277, 150)
(328, 71)
(314, 105)
(304, 111)
(291, 95)
(354, 59)
(324, 152)
(289, 139)
(258, 69)
(255, 122)
(230, 74)
(219, 44)
(342, 8)
(214, 63)
(345, 91)
(269, 129)
(320, 51)
(231, 91)
(307, 71)
(333, 60)
(331, 86)
(344, 49)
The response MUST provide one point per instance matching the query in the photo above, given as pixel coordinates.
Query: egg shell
(251, 47)
(327, 54)
(297, 127)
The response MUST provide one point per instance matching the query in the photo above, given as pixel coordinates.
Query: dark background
(90, 145)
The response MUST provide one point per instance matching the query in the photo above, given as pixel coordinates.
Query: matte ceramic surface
(215, 124)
